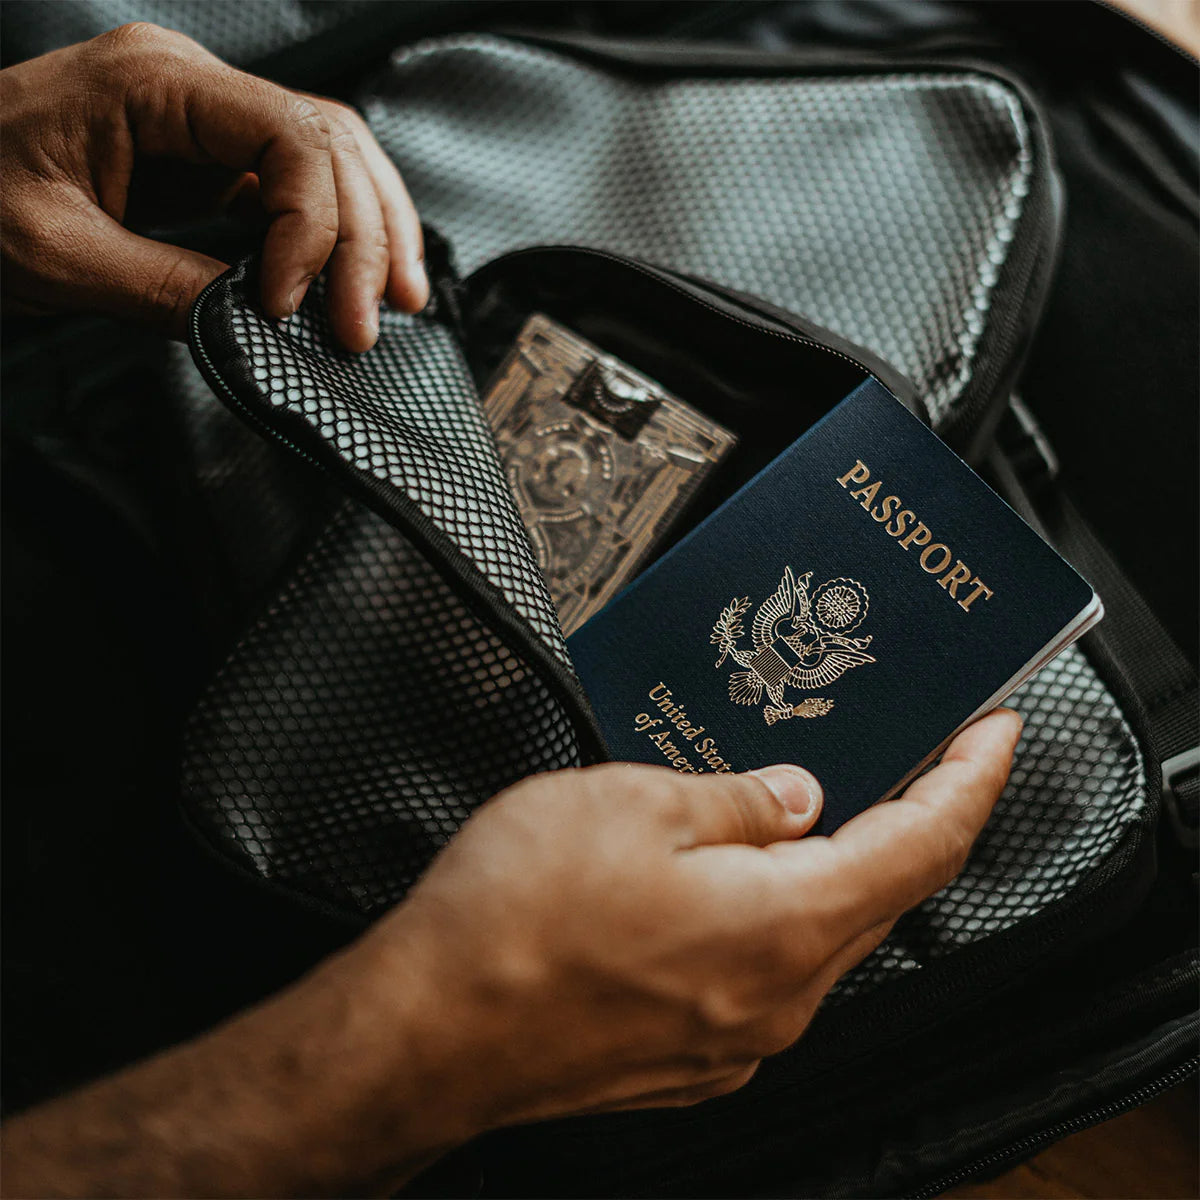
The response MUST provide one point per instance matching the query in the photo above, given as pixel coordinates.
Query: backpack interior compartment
(1069, 849)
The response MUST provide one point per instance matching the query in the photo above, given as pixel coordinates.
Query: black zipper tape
(1022, 1148)
(732, 306)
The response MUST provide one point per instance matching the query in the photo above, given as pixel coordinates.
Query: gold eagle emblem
(799, 639)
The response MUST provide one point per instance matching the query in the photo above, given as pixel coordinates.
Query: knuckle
(171, 297)
(750, 797)
(376, 239)
(308, 121)
(704, 1091)
(775, 1034)
(954, 849)
(320, 230)
(958, 852)
(343, 114)
(341, 139)
(673, 808)
(368, 247)
(727, 1084)
(945, 847)
(146, 50)
(133, 35)
(324, 225)
(873, 940)
(721, 1010)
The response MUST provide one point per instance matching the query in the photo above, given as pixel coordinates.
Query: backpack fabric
(963, 261)
(912, 204)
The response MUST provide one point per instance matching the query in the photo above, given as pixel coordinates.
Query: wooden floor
(1152, 1153)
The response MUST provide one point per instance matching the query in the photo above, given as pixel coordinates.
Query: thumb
(772, 804)
(94, 264)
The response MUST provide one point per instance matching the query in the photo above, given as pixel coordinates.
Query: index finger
(285, 139)
(222, 115)
(896, 854)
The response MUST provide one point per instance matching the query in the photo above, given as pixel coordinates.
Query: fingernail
(794, 787)
(297, 296)
(418, 281)
(372, 324)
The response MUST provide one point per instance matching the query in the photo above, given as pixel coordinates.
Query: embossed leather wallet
(851, 608)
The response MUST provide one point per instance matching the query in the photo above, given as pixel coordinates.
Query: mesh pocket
(361, 720)
(1077, 785)
(405, 416)
(881, 206)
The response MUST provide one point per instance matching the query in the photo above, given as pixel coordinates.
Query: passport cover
(849, 609)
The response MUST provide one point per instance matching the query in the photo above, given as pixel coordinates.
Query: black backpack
(682, 204)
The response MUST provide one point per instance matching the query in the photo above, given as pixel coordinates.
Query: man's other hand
(607, 938)
(141, 127)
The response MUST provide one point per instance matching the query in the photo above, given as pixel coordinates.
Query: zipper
(1053, 1133)
(737, 1111)
(710, 297)
(1156, 34)
(1022, 290)
(461, 573)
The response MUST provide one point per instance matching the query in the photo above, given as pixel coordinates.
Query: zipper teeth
(1053, 1133)
(559, 678)
(1155, 33)
(214, 379)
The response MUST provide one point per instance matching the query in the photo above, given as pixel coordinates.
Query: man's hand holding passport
(851, 608)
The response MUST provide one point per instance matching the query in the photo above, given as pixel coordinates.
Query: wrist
(330, 1087)
(391, 1081)
(472, 1056)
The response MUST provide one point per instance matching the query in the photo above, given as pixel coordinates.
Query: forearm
(299, 1096)
(612, 937)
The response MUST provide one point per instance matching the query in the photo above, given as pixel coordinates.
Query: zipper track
(1053, 1133)
(1156, 34)
(217, 381)
(684, 287)
(1022, 290)
(461, 573)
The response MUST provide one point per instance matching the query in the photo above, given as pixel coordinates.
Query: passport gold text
(678, 737)
(911, 533)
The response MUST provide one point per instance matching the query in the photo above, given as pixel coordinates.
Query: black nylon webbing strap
(1155, 670)
(1158, 676)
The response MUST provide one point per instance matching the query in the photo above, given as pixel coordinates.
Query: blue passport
(850, 609)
